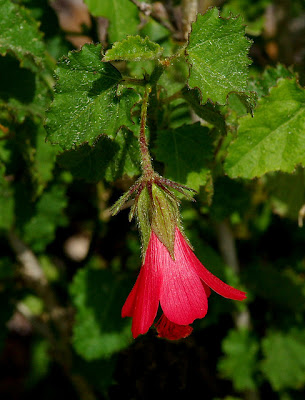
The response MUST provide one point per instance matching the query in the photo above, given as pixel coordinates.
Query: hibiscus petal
(211, 280)
(129, 305)
(169, 330)
(182, 297)
(143, 301)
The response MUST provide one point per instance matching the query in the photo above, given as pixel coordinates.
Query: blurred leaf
(154, 31)
(6, 201)
(228, 398)
(240, 361)
(44, 156)
(253, 13)
(54, 38)
(268, 282)
(186, 153)
(230, 196)
(269, 78)
(106, 159)
(273, 139)
(284, 362)
(7, 301)
(86, 103)
(40, 362)
(20, 35)
(99, 373)
(33, 303)
(217, 54)
(22, 92)
(286, 192)
(47, 215)
(134, 48)
(99, 331)
(122, 14)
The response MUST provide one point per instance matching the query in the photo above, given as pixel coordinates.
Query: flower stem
(146, 164)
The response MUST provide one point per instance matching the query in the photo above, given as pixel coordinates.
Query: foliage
(225, 116)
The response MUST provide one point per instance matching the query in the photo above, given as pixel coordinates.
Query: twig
(149, 11)
(189, 13)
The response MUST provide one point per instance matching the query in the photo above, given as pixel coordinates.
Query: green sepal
(165, 218)
(144, 217)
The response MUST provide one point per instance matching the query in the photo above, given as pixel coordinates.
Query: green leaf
(122, 14)
(186, 153)
(99, 330)
(108, 159)
(217, 54)
(134, 48)
(20, 35)
(284, 361)
(273, 139)
(86, 102)
(268, 282)
(286, 192)
(268, 79)
(208, 111)
(40, 362)
(22, 92)
(239, 363)
(40, 229)
(44, 157)
(253, 12)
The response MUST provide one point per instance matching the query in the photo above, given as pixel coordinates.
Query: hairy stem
(146, 164)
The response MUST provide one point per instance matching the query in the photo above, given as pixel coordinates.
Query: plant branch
(189, 13)
(151, 11)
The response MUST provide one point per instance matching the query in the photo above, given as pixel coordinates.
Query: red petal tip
(169, 330)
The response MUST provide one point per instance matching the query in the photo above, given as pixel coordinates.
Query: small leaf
(217, 54)
(186, 153)
(239, 362)
(123, 16)
(134, 48)
(284, 362)
(86, 102)
(273, 139)
(99, 331)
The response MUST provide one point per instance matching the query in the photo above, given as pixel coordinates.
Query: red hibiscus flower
(181, 285)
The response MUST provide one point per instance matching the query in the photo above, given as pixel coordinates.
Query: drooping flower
(179, 283)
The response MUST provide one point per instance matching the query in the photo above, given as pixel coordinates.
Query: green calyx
(157, 211)
(155, 207)
(165, 217)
